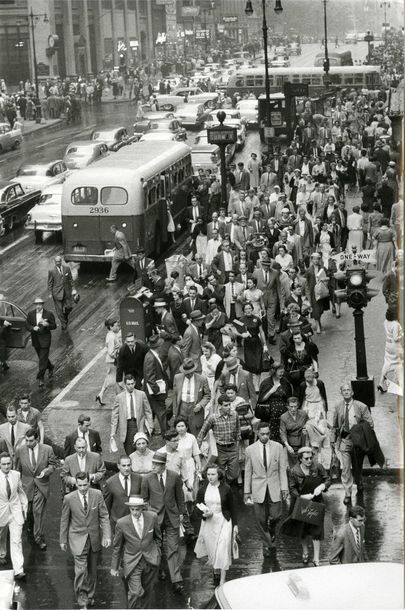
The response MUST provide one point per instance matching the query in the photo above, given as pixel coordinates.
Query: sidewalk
(31, 127)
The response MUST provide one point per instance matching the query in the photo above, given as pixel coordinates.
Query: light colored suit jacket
(202, 391)
(131, 547)
(257, 479)
(76, 525)
(94, 465)
(143, 414)
(46, 462)
(239, 288)
(361, 413)
(15, 507)
(19, 433)
(344, 548)
(191, 346)
(245, 387)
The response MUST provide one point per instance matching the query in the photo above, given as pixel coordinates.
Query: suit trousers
(61, 311)
(36, 512)
(267, 514)
(118, 258)
(132, 429)
(194, 420)
(345, 448)
(44, 362)
(271, 318)
(158, 406)
(139, 585)
(171, 538)
(16, 550)
(85, 574)
(228, 460)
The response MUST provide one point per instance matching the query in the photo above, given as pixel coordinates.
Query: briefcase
(308, 511)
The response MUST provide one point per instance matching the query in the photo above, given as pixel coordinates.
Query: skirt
(215, 542)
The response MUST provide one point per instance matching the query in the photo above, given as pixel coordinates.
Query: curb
(52, 127)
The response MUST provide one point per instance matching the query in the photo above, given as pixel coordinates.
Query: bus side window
(84, 195)
(151, 196)
(181, 175)
(240, 81)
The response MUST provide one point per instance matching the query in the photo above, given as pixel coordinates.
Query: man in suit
(199, 269)
(243, 275)
(12, 432)
(303, 228)
(137, 544)
(83, 430)
(85, 525)
(267, 209)
(163, 489)
(194, 212)
(121, 253)
(237, 376)
(242, 177)
(156, 381)
(268, 179)
(215, 224)
(141, 265)
(193, 302)
(257, 223)
(131, 413)
(130, 360)
(348, 545)
(82, 461)
(294, 160)
(191, 344)
(175, 359)
(272, 233)
(233, 297)
(167, 329)
(191, 395)
(268, 281)
(30, 416)
(119, 488)
(341, 218)
(243, 234)
(35, 462)
(277, 166)
(13, 511)
(60, 288)
(40, 323)
(222, 263)
(348, 413)
(266, 483)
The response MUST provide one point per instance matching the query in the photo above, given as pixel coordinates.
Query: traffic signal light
(326, 64)
(358, 294)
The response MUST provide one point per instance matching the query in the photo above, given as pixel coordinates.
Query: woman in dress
(300, 354)
(113, 343)
(218, 521)
(141, 458)
(199, 238)
(394, 351)
(316, 272)
(284, 259)
(303, 197)
(214, 322)
(385, 241)
(306, 480)
(274, 392)
(374, 221)
(325, 240)
(313, 401)
(392, 174)
(292, 424)
(254, 296)
(209, 362)
(254, 343)
(355, 228)
(188, 447)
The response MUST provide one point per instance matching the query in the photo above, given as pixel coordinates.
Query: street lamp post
(369, 39)
(385, 4)
(249, 11)
(326, 64)
(33, 17)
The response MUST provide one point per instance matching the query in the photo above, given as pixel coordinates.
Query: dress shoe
(347, 500)
(98, 399)
(20, 576)
(267, 552)
(178, 587)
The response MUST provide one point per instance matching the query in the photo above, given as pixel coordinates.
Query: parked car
(114, 138)
(280, 62)
(82, 153)
(39, 176)
(205, 156)
(294, 48)
(249, 112)
(143, 125)
(16, 337)
(191, 115)
(46, 215)
(172, 125)
(15, 203)
(230, 149)
(10, 137)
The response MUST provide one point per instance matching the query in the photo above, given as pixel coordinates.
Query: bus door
(155, 214)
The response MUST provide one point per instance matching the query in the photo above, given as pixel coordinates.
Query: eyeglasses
(307, 458)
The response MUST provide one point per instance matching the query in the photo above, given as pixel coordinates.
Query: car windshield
(79, 152)
(102, 135)
(32, 171)
(50, 198)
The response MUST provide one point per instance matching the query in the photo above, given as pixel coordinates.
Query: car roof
(204, 148)
(108, 132)
(83, 144)
(157, 135)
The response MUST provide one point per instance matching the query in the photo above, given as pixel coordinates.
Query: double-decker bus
(129, 189)
(253, 80)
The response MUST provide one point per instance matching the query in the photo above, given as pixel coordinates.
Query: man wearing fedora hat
(191, 345)
(191, 395)
(137, 544)
(235, 375)
(163, 489)
(155, 381)
(166, 327)
(40, 322)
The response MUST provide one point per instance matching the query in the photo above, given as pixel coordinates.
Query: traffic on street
(201, 332)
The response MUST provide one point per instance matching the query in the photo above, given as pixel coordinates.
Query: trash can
(178, 263)
(136, 317)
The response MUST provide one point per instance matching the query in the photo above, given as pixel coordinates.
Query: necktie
(126, 487)
(358, 542)
(141, 266)
(8, 487)
(85, 505)
(264, 457)
(188, 391)
(33, 460)
(138, 527)
(244, 232)
(346, 422)
(199, 270)
(132, 406)
(12, 435)
(162, 485)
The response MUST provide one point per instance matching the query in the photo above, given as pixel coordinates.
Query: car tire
(38, 237)
(17, 145)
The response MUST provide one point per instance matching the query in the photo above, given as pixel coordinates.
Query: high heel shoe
(98, 399)
(381, 389)
(315, 563)
(305, 558)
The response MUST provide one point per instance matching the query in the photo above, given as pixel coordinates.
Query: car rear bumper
(43, 226)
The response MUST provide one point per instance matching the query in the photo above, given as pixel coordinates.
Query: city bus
(252, 79)
(283, 115)
(336, 58)
(129, 189)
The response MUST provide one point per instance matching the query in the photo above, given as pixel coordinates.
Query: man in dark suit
(60, 288)
(163, 489)
(194, 212)
(82, 461)
(40, 322)
(341, 218)
(118, 488)
(85, 525)
(141, 265)
(83, 430)
(242, 177)
(167, 329)
(193, 302)
(191, 395)
(272, 233)
(348, 544)
(138, 542)
(130, 360)
(156, 382)
(35, 462)
(175, 359)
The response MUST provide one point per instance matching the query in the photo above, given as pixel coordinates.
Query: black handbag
(245, 414)
(267, 361)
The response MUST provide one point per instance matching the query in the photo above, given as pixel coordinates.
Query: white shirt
(138, 524)
(122, 481)
(39, 316)
(84, 435)
(355, 530)
(228, 260)
(82, 463)
(188, 390)
(128, 400)
(35, 450)
(233, 378)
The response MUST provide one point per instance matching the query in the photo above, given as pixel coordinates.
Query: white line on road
(75, 380)
(23, 238)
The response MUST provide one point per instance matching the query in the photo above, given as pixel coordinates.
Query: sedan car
(172, 125)
(205, 156)
(15, 203)
(249, 112)
(143, 125)
(38, 176)
(46, 215)
(280, 62)
(191, 115)
(82, 153)
(10, 137)
(114, 138)
(159, 136)
(16, 337)
(202, 139)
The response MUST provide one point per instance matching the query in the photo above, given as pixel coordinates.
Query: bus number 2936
(99, 210)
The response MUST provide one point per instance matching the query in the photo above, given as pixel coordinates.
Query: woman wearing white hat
(141, 458)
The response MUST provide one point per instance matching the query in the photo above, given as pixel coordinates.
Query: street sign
(296, 89)
(365, 256)
(276, 119)
(229, 19)
(222, 135)
(202, 34)
(269, 132)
